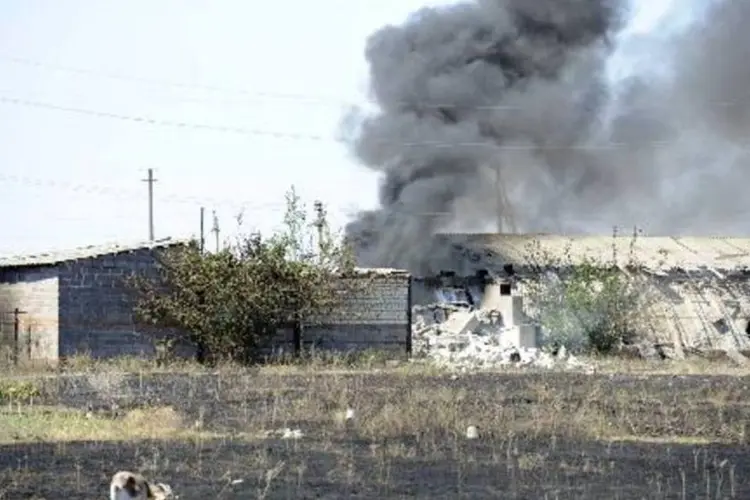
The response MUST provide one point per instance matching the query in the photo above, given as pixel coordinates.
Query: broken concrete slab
(460, 323)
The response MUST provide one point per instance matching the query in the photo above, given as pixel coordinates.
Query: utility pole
(504, 212)
(150, 180)
(203, 234)
(499, 200)
(215, 229)
(320, 220)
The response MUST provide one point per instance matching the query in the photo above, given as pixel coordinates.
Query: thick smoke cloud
(512, 96)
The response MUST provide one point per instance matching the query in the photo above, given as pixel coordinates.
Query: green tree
(585, 305)
(233, 302)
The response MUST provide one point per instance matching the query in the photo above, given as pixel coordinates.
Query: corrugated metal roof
(657, 253)
(50, 258)
(380, 272)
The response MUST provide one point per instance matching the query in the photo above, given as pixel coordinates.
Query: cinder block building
(57, 304)
(375, 314)
(60, 304)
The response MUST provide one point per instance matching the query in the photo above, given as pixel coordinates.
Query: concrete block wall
(96, 305)
(375, 314)
(34, 291)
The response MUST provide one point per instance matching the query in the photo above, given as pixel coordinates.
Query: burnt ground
(309, 469)
(554, 436)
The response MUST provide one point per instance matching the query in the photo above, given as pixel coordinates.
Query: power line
(311, 137)
(173, 84)
(261, 94)
(135, 195)
(276, 207)
(159, 122)
(181, 99)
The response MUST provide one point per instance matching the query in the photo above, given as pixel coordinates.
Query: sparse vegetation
(586, 305)
(211, 430)
(233, 302)
(206, 432)
(12, 391)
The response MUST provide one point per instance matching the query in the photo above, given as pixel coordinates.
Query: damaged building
(697, 287)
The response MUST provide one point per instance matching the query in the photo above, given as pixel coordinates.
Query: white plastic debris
(472, 432)
(349, 415)
(291, 433)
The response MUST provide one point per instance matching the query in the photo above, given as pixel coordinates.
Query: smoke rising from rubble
(519, 88)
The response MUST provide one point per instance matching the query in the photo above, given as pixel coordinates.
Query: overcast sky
(261, 91)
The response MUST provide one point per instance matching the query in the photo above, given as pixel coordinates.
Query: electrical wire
(163, 123)
(133, 194)
(299, 98)
(171, 98)
(176, 85)
(274, 207)
(312, 137)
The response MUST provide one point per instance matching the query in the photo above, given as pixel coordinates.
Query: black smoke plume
(501, 112)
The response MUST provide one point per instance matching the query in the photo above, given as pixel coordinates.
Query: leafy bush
(585, 305)
(232, 303)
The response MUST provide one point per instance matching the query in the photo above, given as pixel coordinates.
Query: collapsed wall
(693, 292)
(477, 322)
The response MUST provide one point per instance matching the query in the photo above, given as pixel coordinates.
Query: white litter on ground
(291, 434)
(285, 433)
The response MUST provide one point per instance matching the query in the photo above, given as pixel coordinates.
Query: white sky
(70, 179)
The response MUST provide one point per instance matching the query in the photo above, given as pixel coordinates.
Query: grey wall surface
(96, 306)
(375, 315)
(34, 292)
(85, 306)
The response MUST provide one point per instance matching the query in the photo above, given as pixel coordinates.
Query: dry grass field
(633, 430)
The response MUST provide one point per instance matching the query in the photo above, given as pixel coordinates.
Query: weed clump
(18, 392)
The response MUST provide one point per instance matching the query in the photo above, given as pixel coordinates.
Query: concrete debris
(464, 338)
(461, 323)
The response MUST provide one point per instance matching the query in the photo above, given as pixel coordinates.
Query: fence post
(408, 317)
(28, 343)
(297, 331)
(16, 332)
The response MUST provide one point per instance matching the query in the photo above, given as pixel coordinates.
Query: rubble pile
(457, 335)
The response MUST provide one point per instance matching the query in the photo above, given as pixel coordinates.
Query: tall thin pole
(203, 234)
(150, 180)
(504, 212)
(215, 229)
(320, 217)
(499, 200)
